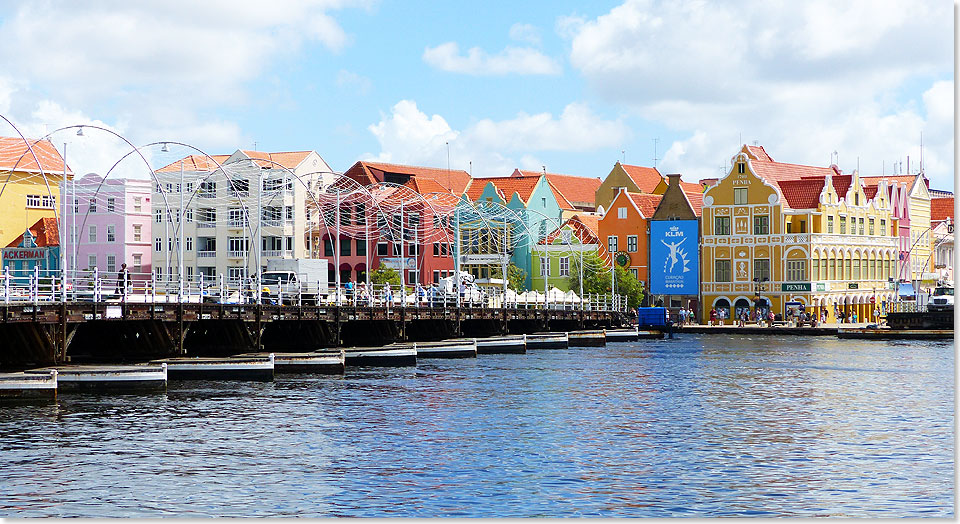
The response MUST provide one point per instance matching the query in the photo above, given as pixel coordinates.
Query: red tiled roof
(941, 208)
(562, 201)
(646, 178)
(646, 203)
(45, 231)
(696, 200)
(195, 163)
(455, 181)
(691, 187)
(585, 228)
(803, 193)
(796, 182)
(506, 187)
(870, 191)
(578, 190)
(287, 159)
(16, 156)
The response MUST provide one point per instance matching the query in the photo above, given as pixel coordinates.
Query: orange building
(624, 228)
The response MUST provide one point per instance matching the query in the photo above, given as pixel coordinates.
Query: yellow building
(779, 236)
(26, 195)
(910, 197)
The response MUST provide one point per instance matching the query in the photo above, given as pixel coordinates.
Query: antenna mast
(655, 142)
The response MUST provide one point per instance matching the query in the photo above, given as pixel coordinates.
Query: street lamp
(759, 281)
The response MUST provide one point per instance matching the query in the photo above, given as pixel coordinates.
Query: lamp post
(759, 282)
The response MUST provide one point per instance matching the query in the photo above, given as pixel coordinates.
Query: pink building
(110, 224)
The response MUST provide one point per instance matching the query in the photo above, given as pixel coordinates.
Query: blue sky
(566, 85)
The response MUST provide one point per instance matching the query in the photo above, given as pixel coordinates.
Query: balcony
(206, 254)
(237, 224)
(273, 253)
(206, 224)
(272, 223)
(236, 254)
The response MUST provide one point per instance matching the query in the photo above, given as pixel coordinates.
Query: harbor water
(701, 425)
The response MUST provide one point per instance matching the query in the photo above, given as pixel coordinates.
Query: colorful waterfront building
(225, 199)
(910, 198)
(629, 178)
(424, 254)
(110, 224)
(37, 249)
(624, 228)
(537, 204)
(942, 219)
(29, 190)
(784, 236)
(557, 255)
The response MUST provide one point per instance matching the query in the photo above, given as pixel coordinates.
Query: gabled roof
(287, 159)
(646, 178)
(454, 181)
(561, 198)
(577, 190)
(696, 200)
(796, 182)
(585, 228)
(941, 208)
(506, 187)
(802, 193)
(16, 156)
(195, 163)
(645, 202)
(45, 231)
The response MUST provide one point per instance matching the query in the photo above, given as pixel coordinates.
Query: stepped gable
(16, 156)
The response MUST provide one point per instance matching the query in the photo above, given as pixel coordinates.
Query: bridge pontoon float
(507, 344)
(593, 338)
(258, 368)
(321, 361)
(548, 341)
(134, 377)
(28, 385)
(455, 348)
(385, 356)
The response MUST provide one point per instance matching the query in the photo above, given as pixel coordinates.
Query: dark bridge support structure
(46, 334)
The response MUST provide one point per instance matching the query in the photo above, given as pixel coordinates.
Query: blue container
(655, 317)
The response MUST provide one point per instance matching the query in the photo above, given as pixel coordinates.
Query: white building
(250, 209)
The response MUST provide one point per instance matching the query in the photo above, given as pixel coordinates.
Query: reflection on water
(698, 426)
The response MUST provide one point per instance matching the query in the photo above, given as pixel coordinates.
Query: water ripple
(693, 427)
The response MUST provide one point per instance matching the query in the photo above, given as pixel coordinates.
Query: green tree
(385, 275)
(516, 276)
(596, 279)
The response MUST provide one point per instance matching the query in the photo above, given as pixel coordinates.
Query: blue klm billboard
(674, 257)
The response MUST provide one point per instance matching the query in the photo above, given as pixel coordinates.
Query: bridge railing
(36, 286)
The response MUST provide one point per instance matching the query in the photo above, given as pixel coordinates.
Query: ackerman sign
(24, 253)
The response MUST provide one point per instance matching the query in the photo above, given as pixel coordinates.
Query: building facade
(249, 209)
(625, 230)
(556, 256)
(30, 190)
(110, 223)
(36, 252)
(682, 202)
(626, 177)
(786, 236)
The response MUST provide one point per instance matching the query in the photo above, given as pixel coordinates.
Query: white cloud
(525, 33)
(512, 60)
(159, 67)
(802, 78)
(408, 135)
